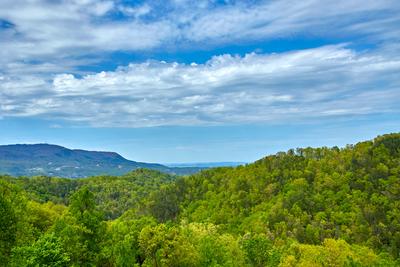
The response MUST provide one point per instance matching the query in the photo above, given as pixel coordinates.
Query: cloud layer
(313, 83)
(44, 44)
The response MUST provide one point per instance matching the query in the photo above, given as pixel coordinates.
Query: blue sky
(198, 81)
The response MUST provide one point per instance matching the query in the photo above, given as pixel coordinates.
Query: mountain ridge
(56, 160)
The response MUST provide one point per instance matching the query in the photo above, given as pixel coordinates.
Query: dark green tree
(8, 228)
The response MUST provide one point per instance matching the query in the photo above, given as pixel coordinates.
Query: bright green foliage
(81, 229)
(214, 247)
(42, 216)
(15, 228)
(260, 250)
(307, 194)
(122, 245)
(165, 246)
(331, 253)
(113, 195)
(47, 251)
(304, 207)
(189, 245)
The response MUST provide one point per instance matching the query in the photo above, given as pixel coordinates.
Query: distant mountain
(53, 160)
(206, 164)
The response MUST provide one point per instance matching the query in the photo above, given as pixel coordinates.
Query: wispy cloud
(53, 30)
(278, 19)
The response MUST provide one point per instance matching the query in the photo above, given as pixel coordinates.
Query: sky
(198, 81)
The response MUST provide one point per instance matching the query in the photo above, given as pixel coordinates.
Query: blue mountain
(54, 160)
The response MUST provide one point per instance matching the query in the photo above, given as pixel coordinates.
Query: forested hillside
(305, 207)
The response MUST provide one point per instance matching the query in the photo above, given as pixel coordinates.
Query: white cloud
(46, 42)
(53, 30)
(277, 19)
(256, 88)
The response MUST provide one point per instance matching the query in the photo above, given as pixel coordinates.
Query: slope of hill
(53, 160)
(304, 207)
(114, 194)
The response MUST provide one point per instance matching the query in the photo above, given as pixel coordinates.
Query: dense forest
(304, 207)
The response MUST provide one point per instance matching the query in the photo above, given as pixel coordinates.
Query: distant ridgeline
(52, 160)
(305, 207)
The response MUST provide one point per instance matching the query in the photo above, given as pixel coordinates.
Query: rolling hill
(304, 207)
